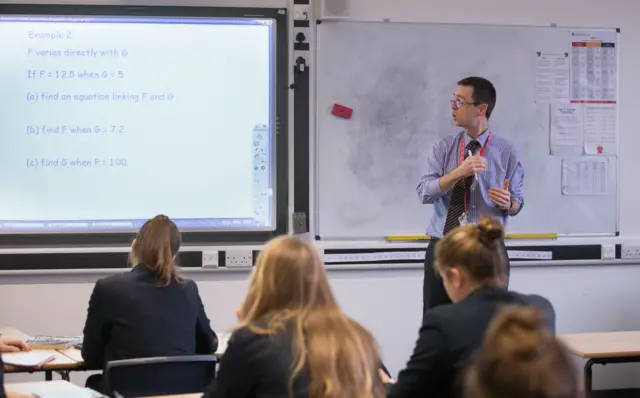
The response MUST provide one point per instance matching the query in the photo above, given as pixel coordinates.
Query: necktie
(461, 189)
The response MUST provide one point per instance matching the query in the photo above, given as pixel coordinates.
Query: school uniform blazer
(257, 365)
(449, 336)
(130, 316)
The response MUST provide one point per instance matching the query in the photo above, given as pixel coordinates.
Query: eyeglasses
(458, 104)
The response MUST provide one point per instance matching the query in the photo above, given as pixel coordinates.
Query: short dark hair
(483, 92)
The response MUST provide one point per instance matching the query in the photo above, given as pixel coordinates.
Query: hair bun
(519, 332)
(490, 230)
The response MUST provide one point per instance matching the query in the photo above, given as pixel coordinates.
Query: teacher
(471, 174)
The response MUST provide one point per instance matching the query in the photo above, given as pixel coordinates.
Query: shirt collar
(481, 140)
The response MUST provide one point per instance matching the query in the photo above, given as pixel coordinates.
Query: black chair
(146, 377)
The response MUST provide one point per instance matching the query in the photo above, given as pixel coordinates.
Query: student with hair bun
(521, 358)
(470, 261)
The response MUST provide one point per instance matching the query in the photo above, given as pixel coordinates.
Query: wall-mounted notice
(567, 127)
(583, 128)
(594, 67)
(585, 176)
(600, 129)
(552, 77)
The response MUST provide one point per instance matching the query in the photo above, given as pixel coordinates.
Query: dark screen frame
(281, 121)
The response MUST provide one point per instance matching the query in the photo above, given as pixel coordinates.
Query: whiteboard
(398, 79)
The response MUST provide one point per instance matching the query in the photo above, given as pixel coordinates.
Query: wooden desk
(602, 349)
(223, 340)
(71, 359)
(62, 364)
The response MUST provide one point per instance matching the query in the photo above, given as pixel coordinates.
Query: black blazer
(449, 336)
(256, 365)
(130, 316)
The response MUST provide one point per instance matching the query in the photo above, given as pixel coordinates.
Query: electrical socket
(630, 252)
(239, 258)
(209, 259)
(609, 252)
(301, 12)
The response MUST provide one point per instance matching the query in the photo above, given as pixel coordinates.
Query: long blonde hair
(156, 246)
(290, 289)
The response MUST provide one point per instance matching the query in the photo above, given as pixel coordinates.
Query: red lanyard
(462, 148)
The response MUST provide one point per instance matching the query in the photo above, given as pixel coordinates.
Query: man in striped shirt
(469, 175)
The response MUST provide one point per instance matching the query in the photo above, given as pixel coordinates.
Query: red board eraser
(342, 111)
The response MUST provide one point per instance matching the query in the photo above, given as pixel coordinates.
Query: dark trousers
(433, 292)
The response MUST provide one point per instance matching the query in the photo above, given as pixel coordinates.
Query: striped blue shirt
(503, 162)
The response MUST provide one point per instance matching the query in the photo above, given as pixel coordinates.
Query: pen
(476, 174)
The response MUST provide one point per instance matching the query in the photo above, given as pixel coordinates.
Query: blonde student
(293, 340)
(520, 357)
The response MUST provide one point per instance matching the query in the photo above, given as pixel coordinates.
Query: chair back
(147, 377)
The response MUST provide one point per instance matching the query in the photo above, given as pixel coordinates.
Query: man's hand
(13, 345)
(501, 197)
(472, 165)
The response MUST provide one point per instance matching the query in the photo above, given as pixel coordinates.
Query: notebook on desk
(28, 359)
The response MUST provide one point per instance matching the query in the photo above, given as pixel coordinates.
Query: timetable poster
(594, 66)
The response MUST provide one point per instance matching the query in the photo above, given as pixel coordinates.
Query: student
(292, 339)
(150, 311)
(11, 345)
(470, 262)
(521, 358)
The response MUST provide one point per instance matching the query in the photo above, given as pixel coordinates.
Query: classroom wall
(587, 298)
